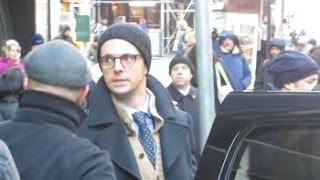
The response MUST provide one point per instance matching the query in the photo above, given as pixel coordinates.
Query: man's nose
(117, 64)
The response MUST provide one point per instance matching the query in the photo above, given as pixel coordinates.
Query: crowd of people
(61, 122)
(125, 132)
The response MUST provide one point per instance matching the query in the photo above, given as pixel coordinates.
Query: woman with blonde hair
(12, 54)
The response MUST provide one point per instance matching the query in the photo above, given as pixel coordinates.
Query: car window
(278, 152)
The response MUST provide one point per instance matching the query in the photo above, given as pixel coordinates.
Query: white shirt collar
(144, 108)
(184, 92)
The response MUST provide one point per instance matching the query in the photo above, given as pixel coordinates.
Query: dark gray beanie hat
(57, 63)
(131, 33)
(279, 43)
(179, 59)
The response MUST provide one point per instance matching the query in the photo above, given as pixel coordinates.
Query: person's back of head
(57, 67)
(11, 82)
(36, 40)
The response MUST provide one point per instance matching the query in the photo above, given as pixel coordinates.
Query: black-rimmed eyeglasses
(127, 60)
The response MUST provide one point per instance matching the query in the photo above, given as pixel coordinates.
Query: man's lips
(119, 81)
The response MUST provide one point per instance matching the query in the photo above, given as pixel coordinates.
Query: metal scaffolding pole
(268, 28)
(204, 69)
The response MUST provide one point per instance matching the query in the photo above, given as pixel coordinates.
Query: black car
(264, 136)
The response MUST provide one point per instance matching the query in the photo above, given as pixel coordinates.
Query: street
(160, 68)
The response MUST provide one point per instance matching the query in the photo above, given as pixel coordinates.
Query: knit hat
(181, 60)
(279, 43)
(290, 66)
(37, 39)
(312, 42)
(57, 63)
(131, 33)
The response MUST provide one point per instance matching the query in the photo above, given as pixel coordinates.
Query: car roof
(264, 102)
(241, 111)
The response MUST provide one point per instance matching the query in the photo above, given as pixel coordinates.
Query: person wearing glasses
(131, 114)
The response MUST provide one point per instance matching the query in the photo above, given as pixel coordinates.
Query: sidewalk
(160, 68)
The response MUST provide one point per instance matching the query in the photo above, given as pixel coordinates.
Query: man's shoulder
(79, 146)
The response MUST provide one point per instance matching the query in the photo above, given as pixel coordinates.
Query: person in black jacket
(42, 136)
(263, 81)
(65, 34)
(11, 84)
(184, 94)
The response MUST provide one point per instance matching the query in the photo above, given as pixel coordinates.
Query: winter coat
(263, 80)
(8, 169)
(236, 66)
(65, 38)
(104, 128)
(6, 63)
(8, 107)
(43, 142)
(190, 104)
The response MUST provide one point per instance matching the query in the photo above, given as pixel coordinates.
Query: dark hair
(64, 28)
(11, 82)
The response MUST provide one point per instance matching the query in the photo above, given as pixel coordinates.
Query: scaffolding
(175, 10)
(171, 10)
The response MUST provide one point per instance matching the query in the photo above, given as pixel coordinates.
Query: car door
(264, 135)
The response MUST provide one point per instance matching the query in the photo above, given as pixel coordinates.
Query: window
(283, 152)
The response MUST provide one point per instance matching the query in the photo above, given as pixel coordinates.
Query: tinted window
(279, 153)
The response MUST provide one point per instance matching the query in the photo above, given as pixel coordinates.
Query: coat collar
(113, 138)
(236, 50)
(102, 98)
(177, 96)
(12, 98)
(42, 107)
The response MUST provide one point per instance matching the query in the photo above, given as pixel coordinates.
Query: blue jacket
(237, 67)
(234, 62)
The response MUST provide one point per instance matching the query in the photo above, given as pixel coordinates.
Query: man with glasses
(131, 114)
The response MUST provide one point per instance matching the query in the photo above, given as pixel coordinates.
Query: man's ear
(83, 94)
(289, 87)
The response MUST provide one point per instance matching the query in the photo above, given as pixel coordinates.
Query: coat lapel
(112, 137)
(114, 140)
(172, 143)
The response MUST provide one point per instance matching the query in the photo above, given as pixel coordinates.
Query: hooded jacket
(234, 62)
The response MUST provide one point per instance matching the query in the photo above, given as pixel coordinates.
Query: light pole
(204, 69)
